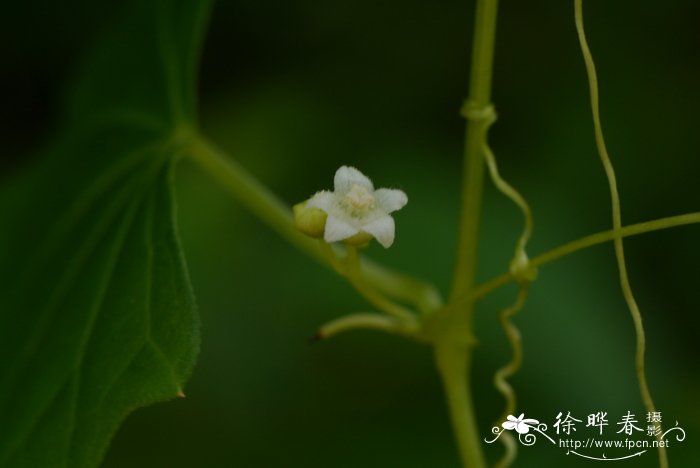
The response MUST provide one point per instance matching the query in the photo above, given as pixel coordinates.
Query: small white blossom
(521, 424)
(354, 207)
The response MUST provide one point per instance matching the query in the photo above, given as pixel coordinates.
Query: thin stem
(523, 272)
(506, 189)
(364, 321)
(424, 296)
(612, 234)
(352, 270)
(333, 259)
(262, 203)
(583, 243)
(500, 378)
(617, 223)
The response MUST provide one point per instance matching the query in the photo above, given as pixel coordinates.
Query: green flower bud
(521, 269)
(310, 221)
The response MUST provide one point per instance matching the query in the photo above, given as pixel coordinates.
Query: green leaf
(97, 315)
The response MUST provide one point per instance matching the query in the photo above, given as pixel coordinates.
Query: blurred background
(293, 90)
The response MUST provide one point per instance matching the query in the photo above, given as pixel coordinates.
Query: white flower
(522, 426)
(354, 207)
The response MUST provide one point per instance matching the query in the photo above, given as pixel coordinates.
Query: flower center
(358, 199)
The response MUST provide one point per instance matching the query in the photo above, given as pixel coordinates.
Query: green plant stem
(476, 132)
(452, 327)
(255, 197)
(357, 279)
(351, 269)
(579, 244)
(453, 359)
(367, 322)
(617, 224)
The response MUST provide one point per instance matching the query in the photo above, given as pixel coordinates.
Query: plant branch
(368, 322)
(351, 269)
(262, 203)
(583, 243)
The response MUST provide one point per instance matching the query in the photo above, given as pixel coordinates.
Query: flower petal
(508, 425)
(323, 200)
(337, 229)
(347, 176)
(382, 229)
(390, 200)
(522, 428)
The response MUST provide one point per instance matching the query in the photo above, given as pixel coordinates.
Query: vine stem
(580, 244)
(617, 224)
(262, 203)
(453, 359)
(351, 269)
(479, 98)
(453, 326)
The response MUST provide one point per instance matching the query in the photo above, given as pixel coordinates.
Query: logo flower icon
(521, 425)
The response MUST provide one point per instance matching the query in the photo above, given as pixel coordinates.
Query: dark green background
(293, 90)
